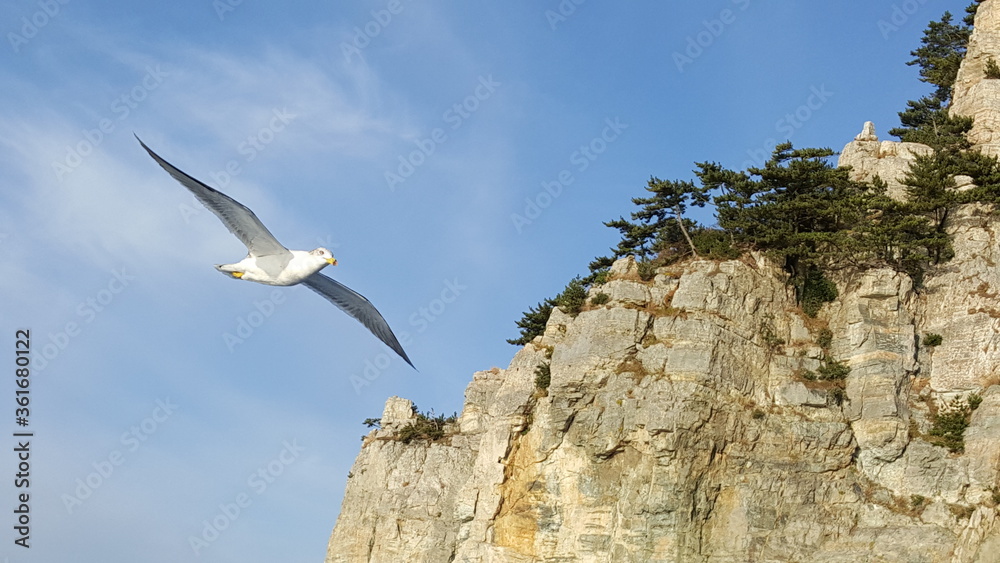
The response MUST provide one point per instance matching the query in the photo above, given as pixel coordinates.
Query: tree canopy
(807, 214)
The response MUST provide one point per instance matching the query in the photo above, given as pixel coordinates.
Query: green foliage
(812, 217)
(825, 338)
(715, 244)
(757, 414)
(428, 426)
(570, 301)
(647, 268)
(974, 400)
(837, 395)
(573, 297)
(962, 512)
(926, 121)
(659, 225)
(992, 70)
(942, 48)
(930, 190)
(600, 298)
(532, 323)
(543, 375)
(598, 277)
(949, 423)
(373, 422)
(797, 207)
(970, 12)
(831, 370)
(940, 54)
(816, 290)
(933, 339)
(770, 338)
(916, 501)
(809, 216)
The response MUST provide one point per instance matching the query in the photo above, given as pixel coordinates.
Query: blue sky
(412, 139)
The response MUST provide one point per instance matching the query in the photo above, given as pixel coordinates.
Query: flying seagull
(270, 263)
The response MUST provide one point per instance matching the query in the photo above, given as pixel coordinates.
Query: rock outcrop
(889, 160)
(678, 426)
(974, 95)
(683, 420)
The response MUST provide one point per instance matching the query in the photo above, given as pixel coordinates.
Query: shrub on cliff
(428, 426)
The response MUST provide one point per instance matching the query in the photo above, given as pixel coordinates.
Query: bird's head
(325, 254)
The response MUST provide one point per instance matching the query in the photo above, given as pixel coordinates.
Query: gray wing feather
(234, 215)
(355, 305)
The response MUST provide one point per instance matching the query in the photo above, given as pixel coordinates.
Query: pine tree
(941, 53)
(797, 207)
(931, 195)
(985, 173)
(970, 12)
(660, 223)
(637, 238)
(668, 204)
(533, 321)
(928, 123)
(736, 197)
(890, 233)
(927, 120)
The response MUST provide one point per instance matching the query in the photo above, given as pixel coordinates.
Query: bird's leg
(237, 275)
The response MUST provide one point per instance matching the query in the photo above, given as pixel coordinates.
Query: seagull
(270, 263)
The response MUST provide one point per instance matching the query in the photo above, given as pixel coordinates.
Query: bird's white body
(279, 270)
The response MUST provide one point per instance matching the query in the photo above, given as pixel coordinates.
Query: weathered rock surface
(974, 95)
(678, 428)
(889, 160)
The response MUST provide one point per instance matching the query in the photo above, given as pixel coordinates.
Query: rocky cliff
(684, 420)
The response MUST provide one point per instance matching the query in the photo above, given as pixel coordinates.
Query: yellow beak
(332, 261)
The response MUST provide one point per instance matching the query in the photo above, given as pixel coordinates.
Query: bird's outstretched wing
(234, 215)
(355, 305)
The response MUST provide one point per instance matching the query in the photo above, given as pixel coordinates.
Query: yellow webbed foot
(237, 275)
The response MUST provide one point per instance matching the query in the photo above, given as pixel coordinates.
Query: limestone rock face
(974, 95)
(962, 304)
(889, 160)
(678, 426)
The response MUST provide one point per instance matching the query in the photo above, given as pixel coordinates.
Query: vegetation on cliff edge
(806, 214)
